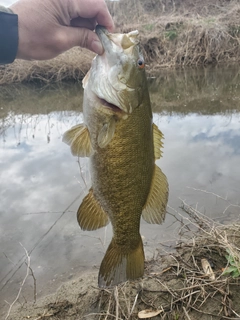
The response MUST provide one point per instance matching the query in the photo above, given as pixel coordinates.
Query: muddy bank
(175, 285)
(173, 34)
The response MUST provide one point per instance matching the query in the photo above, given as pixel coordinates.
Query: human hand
(50, 27)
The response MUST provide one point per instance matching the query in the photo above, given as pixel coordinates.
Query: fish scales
(122, 142)
(128, 162)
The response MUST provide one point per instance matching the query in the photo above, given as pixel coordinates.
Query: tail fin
(121, 264)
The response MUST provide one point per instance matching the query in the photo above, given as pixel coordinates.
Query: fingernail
(97, 47)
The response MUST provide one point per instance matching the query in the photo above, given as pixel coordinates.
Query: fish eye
(140, 63)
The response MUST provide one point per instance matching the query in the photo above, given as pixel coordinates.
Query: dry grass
(190, 38)
(173, 34)
(71, 65)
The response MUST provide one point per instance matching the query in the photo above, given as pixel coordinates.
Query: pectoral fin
(157, 141)
(78, 138)
(106, 133)
(155, 208)
(90, 214)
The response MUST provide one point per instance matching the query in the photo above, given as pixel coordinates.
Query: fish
(122, 142)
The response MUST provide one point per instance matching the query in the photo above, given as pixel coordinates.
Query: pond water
(42, 184)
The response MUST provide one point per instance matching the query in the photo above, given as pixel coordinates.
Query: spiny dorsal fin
(106, 133)
(90, 214)
(157, 141)
(78, 138)
(121, 264)
(155, 208)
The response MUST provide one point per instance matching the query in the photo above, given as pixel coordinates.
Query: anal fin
(90, 214)
(154, 210)
(78, 138)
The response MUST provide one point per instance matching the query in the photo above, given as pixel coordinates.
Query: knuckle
(59, 42)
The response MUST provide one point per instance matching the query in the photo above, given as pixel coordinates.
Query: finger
(71, 36)
(92, 9)
(84, 23)
(105, 19)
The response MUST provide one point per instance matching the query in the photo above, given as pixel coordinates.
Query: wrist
(6, 10)
(8, 35)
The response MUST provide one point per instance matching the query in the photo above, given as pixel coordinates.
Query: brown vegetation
(71, 65)
(173, 33)
(184, 33)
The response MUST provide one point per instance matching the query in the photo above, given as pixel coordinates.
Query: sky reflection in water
(40, 180)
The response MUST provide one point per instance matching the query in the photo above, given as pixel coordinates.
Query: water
(41, 184)
(7, 3)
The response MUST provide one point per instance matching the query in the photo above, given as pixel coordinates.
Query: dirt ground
(174, 286)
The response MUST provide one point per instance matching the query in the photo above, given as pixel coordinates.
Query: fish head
(117, 77)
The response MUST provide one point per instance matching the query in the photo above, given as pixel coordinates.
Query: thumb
(74, 36)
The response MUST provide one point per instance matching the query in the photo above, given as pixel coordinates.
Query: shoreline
(175, 283)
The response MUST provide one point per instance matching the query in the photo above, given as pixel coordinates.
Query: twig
(34, 284)
(213, 315)
(44, 315)
(22, 284)
(186, 313)
(219, 197)
(109, 305)
(209, 192)
(116, 300)
(134, 304)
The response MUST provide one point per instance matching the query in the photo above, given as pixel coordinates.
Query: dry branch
(22, 284)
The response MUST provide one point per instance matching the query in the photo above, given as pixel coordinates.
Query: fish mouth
(103, 36)
(112, 54)
(110, 106)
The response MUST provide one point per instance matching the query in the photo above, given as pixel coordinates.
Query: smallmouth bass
(122, 142)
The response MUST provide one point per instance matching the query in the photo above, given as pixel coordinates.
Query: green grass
(171, 34)
(233, 268)
(149, 27)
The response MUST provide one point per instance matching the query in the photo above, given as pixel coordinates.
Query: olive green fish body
(122, 143)
(122, 173)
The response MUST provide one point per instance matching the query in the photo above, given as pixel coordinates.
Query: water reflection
(7, 2)
(42, 184)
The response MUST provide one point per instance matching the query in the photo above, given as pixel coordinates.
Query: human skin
(50, 27)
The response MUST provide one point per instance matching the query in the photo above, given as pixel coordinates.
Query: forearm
(8, 36)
